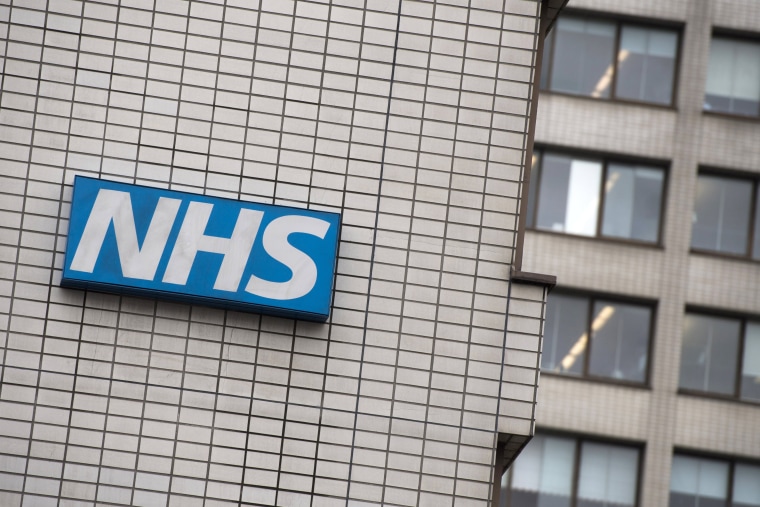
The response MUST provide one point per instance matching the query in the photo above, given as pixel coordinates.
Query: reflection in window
(615, 335)
(709, 351)
(632, 202)
(567, 192)
(733, 77)
(579, 59)
(710, 356)
(557, 471)
(722, 214)
(582, 58)
(707, 482)
(620, 341)
(565, 334)
(646, 64)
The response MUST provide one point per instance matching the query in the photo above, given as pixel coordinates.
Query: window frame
(592, 298)
(753, 180)
(619, 22)
(737, 380)
(732, 462)
(605, 160)
(735, 35)
(578, 441)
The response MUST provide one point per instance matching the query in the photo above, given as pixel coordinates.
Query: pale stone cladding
(410, 118)
(686, 139)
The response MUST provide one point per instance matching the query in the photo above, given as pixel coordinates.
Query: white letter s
(276, 245)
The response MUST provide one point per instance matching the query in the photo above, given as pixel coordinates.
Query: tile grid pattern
(379, 110)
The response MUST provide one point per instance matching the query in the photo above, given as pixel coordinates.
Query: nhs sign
(197, 249)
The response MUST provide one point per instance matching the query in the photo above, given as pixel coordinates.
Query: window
(733, 77)
(707, 482)
(726, 216)
(568, 472)
(608, 59)
(721, 355)
(618, 347)
(590, 196)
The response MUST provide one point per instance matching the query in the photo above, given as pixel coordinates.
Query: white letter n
(192, 240)
(115, 206)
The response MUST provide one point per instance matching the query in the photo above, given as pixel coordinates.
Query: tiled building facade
(409, 118)
(691, 418)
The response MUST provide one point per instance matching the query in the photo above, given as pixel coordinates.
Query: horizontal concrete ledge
(534, 278)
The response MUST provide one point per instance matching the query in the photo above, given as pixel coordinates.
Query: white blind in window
(546, 465)
(608, 474)
(648, 41)
(583, 197)
(699, 477)
(746, 485)
(751, 361)
(592, 27)
(747, 71)
(734, 69)
(720, 67)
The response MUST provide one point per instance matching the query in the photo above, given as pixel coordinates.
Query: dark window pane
(709, 353)
(565, 334)
(721, 214)
(583, 57)
(698, 482)
(568, 197)
(733, 77)
(750, 386)
(633, 196)
(646, 64)
(620, 341)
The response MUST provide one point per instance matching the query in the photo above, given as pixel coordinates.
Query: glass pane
(633, 196)
(721, 214)
(535, 181)
(608, 475)
(733, 77)
(756, 233)
(568, 200)
(620, 341)
(583, 57)
(709, 353)
(719, 75)
(698, 482)
(542, 476)
(746, 486)
(646, 64)
(750, 387)
(565, 334)
(746, 90)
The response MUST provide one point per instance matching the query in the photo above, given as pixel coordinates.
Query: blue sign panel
(198, 249)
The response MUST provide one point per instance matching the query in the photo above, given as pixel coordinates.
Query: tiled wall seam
(114, 399)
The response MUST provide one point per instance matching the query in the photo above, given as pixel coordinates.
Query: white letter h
(192, 240)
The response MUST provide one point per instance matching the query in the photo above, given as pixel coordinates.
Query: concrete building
(644, 204)
(411, 119)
